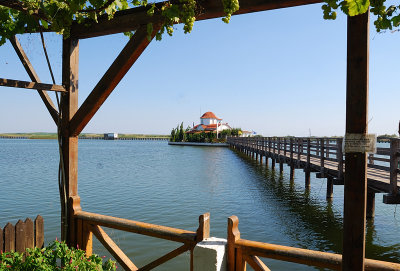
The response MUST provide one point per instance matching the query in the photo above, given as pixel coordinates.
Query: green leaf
(356, 7)
(44, 24)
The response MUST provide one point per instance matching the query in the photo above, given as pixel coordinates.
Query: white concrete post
(210, 255)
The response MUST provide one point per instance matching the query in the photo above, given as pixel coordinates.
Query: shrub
(56, 256)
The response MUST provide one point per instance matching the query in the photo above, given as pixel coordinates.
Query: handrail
(148, 229)
(89, 223)
(240, 250)
(301, 151)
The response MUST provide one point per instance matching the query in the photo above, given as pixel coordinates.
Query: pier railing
(324, 156)
(88, 224)
(241, 251)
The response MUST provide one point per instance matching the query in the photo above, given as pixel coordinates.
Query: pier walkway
(325, 157)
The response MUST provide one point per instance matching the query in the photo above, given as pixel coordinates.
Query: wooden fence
(23, 235)
(89, 224)
(241, 251)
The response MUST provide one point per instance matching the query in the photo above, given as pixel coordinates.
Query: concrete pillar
(210, 255)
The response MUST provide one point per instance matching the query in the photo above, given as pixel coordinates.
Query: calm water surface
(153, 182)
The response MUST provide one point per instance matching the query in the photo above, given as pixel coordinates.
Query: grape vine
(59, 15)
(387, 18)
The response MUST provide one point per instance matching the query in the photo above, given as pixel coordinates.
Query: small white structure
(209, 255)
(110, 136)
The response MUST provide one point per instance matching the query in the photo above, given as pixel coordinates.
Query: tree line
(179, 134)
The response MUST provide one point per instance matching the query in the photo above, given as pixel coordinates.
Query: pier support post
(292, 171)
(329, 188)
(266, 161)
(355, 184)
(307, 178)
(281, 166)
(370, 203)
(273, 162)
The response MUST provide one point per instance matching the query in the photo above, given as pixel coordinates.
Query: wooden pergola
(74, 118)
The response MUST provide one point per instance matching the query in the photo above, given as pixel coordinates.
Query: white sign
(359, 143)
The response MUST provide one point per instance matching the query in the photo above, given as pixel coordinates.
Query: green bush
(56, 256)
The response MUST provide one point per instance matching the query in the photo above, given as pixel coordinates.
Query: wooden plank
(129, 20)
(34, 77)
(148, 229)
(30, 85)
(115, 251)
(29, 234)
(20, 236)
(167, 257)
(110, 80)
(39, 232)
(9, 238)
(256, 263)
(355, 185)
(87, 239)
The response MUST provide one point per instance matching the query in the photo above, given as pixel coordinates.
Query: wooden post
(329, 188)
(394, 164)
(233, 235)
(307, 169)
(322, 152)
(339, 154)
(370, 203)
(273, 162)
(281, 166)
(355, 185)
(69, 106)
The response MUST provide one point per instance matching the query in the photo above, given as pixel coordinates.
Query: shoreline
(198, 144)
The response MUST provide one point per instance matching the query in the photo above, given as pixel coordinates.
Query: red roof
(209, 115)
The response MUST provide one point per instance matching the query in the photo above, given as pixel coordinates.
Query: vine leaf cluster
(59, 15)
(387, 18)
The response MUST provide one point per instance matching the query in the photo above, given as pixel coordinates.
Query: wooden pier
(325, 157)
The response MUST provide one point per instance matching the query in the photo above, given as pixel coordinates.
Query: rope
(61, 170)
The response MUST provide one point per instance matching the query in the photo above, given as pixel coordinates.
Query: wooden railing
(299, 152)
(87, 224)
(25, 234)
(241, 251)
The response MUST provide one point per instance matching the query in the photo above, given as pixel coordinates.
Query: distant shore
(81, 136)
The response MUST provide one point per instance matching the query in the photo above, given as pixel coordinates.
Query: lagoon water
(153, 182)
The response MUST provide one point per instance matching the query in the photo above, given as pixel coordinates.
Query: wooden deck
(324, 156)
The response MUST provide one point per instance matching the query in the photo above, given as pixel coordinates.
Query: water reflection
(321, 223)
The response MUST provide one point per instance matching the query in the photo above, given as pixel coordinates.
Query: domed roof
(209, 115)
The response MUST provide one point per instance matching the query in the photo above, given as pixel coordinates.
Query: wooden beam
(129, 20)
(69, 106)
(114, 250)
(165, 258)
(30, 85)
(34, 77)
(121, 65)
(355, 179)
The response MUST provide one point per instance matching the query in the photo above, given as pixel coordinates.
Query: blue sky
(279, 72)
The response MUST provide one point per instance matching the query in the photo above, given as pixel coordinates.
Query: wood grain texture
(115, 251)
(30, 85)
(9, 238)
(39, 232)
(121, 65)
(20, 236)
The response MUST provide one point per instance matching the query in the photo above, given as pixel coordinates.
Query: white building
(210, 123)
